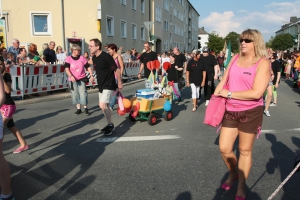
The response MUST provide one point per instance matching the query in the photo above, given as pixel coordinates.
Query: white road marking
(138, 138)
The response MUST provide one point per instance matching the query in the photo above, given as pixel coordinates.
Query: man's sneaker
(86, 111)
(273, 104)
(11, 197)
(206, 102)
(267, 113)
(78, 112)
(108, 129)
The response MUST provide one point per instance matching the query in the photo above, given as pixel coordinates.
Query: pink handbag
(216, 108)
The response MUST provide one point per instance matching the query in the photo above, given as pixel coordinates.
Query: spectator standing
(22, 58)
(75, 68)
(133, 56)
(106, 70)
(127, 56)
(195, 77)
(147, 56)
(276, 68)
(211, 73)
(4, 53)
(15, 48)
(249, 75)
(120, 50)
(60, 55)
(33, 53)
(49, 55)
(86, 55)
(220, 60)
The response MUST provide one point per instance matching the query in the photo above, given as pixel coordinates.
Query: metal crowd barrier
(31, 79)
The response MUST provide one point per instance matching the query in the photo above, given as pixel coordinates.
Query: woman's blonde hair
(260, 49)
(75, 47)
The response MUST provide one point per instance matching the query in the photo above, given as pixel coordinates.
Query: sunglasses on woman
(246, 40)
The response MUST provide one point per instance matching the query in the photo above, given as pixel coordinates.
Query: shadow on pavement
(60, 172)
(283, 160)
(184, 196)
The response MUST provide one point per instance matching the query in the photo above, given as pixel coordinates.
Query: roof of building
(193, 8)
(202, 31)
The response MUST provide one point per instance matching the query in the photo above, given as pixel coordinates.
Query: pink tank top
(241, 79)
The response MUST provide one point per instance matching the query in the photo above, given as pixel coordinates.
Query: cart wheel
(130, 117)
(168, 115)
(152, 119)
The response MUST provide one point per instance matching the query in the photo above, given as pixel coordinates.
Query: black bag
(180, 80)
(85, 79)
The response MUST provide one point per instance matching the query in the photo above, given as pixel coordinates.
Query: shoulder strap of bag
(227, 78)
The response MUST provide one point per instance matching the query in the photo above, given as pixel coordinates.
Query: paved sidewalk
(44, 97)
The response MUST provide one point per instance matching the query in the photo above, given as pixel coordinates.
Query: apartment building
(175, 23)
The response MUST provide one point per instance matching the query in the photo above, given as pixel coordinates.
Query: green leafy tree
(283, 42)
(269, 43)
(215, 43)
(233, 37)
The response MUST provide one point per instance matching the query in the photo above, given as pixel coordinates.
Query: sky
(224, 16)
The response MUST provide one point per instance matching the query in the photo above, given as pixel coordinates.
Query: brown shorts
(247, 121)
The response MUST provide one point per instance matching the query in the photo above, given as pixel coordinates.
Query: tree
(215, 43)
(283, 42)
(233, 37)
(269, 43)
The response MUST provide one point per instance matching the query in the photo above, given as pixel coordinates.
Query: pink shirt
(241, 79)
(77, 67)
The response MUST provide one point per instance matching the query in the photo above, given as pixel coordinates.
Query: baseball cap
(205, 49)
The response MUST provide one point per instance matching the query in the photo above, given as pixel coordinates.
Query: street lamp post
(298, 42)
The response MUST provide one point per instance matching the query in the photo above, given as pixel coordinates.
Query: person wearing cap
(211, 66)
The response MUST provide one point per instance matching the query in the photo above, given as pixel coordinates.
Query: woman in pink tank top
(249, 75)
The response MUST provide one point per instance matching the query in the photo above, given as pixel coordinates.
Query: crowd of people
(253, 71)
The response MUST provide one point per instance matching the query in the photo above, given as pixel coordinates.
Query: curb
(60, 96)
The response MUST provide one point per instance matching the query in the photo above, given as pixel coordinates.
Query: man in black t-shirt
(276, 68)
(49, 53)
(180, 60)
(211, 73)
(106, 69)
(147, 56)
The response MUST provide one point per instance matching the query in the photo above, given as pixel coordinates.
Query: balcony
(190, 16)
(190, 28)
(190, 41)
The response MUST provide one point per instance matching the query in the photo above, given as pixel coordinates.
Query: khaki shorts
(105, 95)
(247, 121)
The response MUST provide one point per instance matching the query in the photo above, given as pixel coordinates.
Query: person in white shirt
(164, 58)
(60, 55)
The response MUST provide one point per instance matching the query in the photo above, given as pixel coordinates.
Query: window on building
(123, 2)
(166, 25)
(133, 31)
(41, 23)
(123, 29)
(158, 13)
(142, 6)
(171, 3)
(171, 18)
(143, 33)
(133, 4)
(166, 5)
(109, 25)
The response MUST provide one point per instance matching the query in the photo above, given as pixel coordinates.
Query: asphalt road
(69, 158)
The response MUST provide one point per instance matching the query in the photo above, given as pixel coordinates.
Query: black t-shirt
(8, 100)
(179, 60)
(276, 68)
(50, 55)
(210, 63)
(196, 69)
(145, 58)
(105, 67)
(172, 73)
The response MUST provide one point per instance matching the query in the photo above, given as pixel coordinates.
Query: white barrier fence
(31, 79)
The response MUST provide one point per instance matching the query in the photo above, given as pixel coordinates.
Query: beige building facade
(112, 21)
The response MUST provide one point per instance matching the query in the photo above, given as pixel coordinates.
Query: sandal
(194, 109)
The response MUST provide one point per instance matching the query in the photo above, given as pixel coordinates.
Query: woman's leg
(274, 94)
(194, 95)
(113, 99)
(75, 95)
(246, 141)
(226, 142)
(18, 135)
(268, 97)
